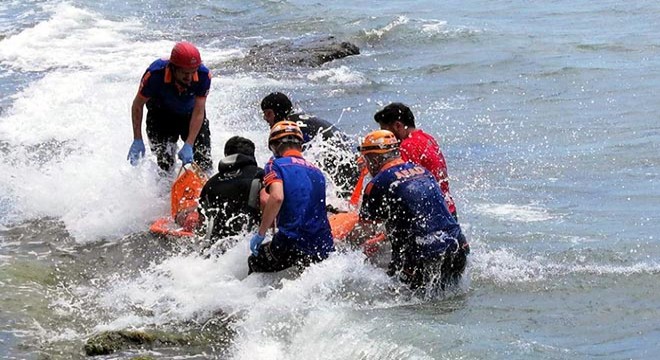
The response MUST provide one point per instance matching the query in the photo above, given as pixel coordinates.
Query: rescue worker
(295, 203)
(428, 247)
(416, 145)
(174, 91)
(277, 107)
(229, 201)
(336, 158)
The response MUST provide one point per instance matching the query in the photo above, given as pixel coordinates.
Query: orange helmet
(285, 130)
(379, 142)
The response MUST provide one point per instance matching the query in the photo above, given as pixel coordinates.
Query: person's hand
(191, 222)
(361, 163)
(186, 154)
(136, 151)
(255, 242)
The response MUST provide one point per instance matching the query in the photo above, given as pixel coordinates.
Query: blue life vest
(159, 87)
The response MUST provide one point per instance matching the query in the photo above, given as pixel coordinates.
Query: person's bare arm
(272, 207)
(136, 115)
(196, 120)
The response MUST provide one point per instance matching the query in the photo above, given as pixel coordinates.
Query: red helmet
(185, 55)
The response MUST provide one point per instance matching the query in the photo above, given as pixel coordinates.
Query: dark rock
(298, 53)
(215, 333)
(111, 341)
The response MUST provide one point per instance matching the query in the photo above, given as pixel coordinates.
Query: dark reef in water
(305, 52)
(215, 336)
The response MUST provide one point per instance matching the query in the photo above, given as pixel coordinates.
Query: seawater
(546, 113)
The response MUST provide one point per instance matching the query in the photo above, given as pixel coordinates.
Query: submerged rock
(298, 53)
(215, 335)
(111, 341)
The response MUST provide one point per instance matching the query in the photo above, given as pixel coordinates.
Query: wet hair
(239, 145)
(279, 103)
(395, 112)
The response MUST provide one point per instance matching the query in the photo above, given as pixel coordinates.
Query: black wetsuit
(230, 199)
(338, 158)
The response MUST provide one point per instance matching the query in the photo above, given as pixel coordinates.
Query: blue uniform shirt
(407, 198)
(159, 87)
(302, 217)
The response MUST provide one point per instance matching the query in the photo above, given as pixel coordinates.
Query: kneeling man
(296, 204)
(428, 247)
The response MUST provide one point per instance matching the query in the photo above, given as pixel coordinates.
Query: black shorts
(278, 255)
(164, 130)
(445, 270)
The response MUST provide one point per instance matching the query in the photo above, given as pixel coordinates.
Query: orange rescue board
(185, 192)
(167, 226)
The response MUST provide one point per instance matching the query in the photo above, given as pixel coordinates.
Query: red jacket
(421, 148)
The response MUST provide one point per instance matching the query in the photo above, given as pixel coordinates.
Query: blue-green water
(547, 114)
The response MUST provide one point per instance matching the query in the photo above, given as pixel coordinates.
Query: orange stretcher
(187, 188)
(343, 223)
(184, 199)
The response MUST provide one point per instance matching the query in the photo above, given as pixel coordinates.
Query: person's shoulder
(411, 167)
(392, 173)
(259, 173)
(158, 65)
(416, 141)
(253, 171)
(203, 70)
(273, 162)
(423, 135)
(378, 183)
(321, 122)
(203, 81)
(312, 125)
(210, 183)
(304, 119)
(214, 178)
(384, 176)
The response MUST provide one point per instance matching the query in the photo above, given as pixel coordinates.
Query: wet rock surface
(215, 336)
(307, 52)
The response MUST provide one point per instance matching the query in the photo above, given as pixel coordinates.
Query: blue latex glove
(186, 154)
(136, 151)
(255, 242)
